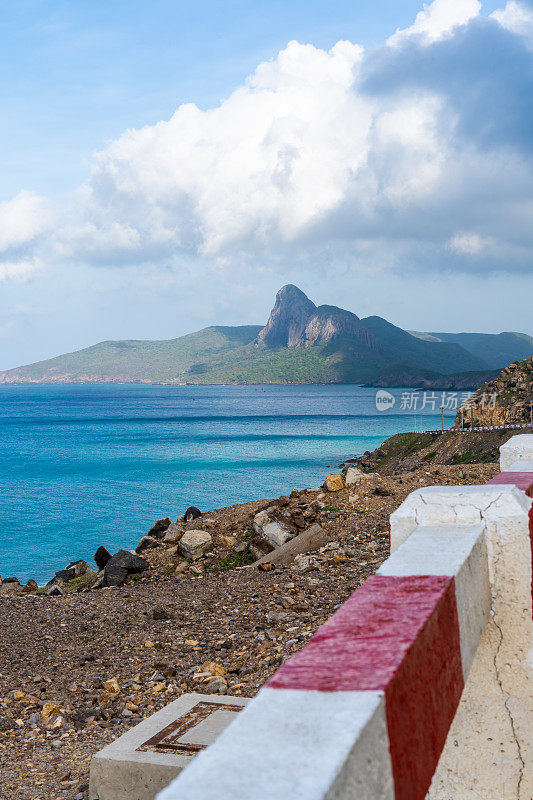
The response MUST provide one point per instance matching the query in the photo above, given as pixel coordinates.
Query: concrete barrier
(420, 684)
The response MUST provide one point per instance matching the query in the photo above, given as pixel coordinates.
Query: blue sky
(399, 185)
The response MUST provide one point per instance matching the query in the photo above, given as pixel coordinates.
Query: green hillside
(497, 350)
(133, 360)
(402, 347)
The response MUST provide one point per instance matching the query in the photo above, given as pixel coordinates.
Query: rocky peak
(288, 319)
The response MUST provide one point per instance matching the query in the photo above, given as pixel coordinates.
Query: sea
(89, 465)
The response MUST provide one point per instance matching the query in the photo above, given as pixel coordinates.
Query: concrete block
(148, 757)
(518, 448)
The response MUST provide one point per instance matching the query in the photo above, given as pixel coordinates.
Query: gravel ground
(77, 671)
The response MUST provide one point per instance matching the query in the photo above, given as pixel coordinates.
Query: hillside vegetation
(301, 343)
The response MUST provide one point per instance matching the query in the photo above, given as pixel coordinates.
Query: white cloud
(437, 21)
(396, 156)
(470, 243)
(517, 18)
(23, 219)
(19, 269)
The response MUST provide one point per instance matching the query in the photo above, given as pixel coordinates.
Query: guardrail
(507, 426)
(420, 684)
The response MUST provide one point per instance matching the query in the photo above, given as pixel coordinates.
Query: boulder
(194, 544)
(101, 557)
(192, 513)
(276, 533)
(308, 541)
(64, 575)
(354, 475)
(158, 528)
(114, 576)
(146, 543)
(10, 586)
(173, 534)
(334, 483)
(31, 586)
(122, 564)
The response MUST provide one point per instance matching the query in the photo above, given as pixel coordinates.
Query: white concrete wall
(489, 752)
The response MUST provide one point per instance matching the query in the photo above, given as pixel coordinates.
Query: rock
(216, 686)
(63, 576)
(173, 534)
(146, 543)
(122, 564)
(112, 686)
(381, 492)
(334, 483)
(54, 588)
(31, 586)
(274, 532)
(48, 711)
(284, 500)
(192, 513)
(158, 529)
(80, 567)
(160, 612)
(128, 561)
(308, 541)
(213, 668)
(194, 544)
(101, 557)
(114, 575)
(10, 586)
(354, 475)
(306, 563)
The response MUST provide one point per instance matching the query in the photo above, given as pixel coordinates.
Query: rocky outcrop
(288, 319)
(295, 321)
(506, 399)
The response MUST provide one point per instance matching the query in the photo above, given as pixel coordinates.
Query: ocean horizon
(97, 464)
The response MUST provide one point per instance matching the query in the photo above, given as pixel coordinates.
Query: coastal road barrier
(420, 684)
(507, 426)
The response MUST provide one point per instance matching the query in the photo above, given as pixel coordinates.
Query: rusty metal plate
(167, 740)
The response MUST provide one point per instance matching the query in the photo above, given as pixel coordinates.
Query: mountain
(301, 343)
(497, 350)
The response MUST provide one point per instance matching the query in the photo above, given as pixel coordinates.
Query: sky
(170, 165)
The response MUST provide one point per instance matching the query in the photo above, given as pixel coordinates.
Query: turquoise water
(82, 466)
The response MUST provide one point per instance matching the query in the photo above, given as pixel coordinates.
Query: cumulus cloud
(417, 153)
(517, 18)
(437, 21)
(24, 220)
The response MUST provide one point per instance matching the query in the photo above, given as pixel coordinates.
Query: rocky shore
(209, 602)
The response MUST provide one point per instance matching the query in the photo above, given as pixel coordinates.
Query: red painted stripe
(531, 542)
(524, 481)
(401, 635)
